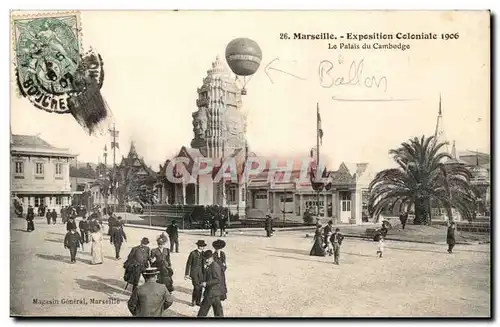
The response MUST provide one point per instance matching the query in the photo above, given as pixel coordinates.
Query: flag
(115, 145)
(113, 132)
(320, 130)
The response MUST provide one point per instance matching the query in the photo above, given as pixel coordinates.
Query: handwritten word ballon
(243, 56)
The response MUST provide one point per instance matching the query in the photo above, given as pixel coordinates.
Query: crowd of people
(206, 269)
(326, 241)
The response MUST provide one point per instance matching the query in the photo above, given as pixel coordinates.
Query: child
(72, 242)
(380, 250)
(336, 241)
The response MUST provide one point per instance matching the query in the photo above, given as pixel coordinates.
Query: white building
(39, 172)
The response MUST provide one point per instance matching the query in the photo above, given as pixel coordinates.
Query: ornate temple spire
(454, 151)
(132, 152)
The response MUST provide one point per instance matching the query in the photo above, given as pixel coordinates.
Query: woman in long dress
(96, 246)
(317, 249)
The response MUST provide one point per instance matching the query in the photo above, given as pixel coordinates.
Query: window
(345, 196)
(262, 196)
(59, 169)
(19, 168)
(39, 168)
(58, 200)
(346, 205)
(37, 202)
(287, 198)
(232, 195)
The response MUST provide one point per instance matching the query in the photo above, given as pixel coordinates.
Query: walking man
(117, 238)
(30, 216)
(213, 282)
(150, 299)
(173, 235)
(136, 264)
(72, 242)
(54, 216)
(194, 271)
(84, 229)
(403, 218)
(450, 237)
(336, 241)
(48, 215)
(213, 226)
(222, 226)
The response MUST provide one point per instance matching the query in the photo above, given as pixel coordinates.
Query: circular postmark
(50, 68)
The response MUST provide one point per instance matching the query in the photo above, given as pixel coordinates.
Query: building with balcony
(39, 172)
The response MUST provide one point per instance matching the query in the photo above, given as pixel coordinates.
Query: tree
(423, 180)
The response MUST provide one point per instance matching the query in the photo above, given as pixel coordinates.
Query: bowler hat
(207, 254)
(150, 271)
(145, 240)
(219, 244)
(201, 243)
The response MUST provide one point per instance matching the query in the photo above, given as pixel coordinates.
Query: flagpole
(317, 154)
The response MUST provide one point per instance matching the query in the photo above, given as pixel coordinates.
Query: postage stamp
(48, 55)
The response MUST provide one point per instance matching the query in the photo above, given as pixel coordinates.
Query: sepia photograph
(250, 164)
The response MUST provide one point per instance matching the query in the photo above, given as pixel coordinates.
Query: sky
(155, 61)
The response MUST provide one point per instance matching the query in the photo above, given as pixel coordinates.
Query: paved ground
(266, 277)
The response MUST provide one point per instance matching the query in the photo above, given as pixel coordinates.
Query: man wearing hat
(212, 281)
(220, 258)
(173, 234)
(137, 262)
(150, 299)
(194, 271)
(30, 216)
(117, 237)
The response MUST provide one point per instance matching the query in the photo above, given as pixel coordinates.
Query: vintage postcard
(250, 164)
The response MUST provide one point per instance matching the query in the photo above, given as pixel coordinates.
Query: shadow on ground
(54, 240)
(183, 290)
(101, 287)
(283, 250)
(294, 258)
(54, 257)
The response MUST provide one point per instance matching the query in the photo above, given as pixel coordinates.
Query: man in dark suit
(71, 224)
(84, 229)
(137, 262)
(150, 299)
(117, 238)
(48, 215)
(173, 235)
(30, 216)
(222, 225)
(72, 242)
(213, 281)
(194, 271)
(54, 216)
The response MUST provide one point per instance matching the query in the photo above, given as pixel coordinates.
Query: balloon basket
(243, 91)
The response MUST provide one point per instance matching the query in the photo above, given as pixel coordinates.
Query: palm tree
(423, 179)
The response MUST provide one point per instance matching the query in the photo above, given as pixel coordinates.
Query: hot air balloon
(243, 57)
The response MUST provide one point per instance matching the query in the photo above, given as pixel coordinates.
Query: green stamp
(48, 56)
